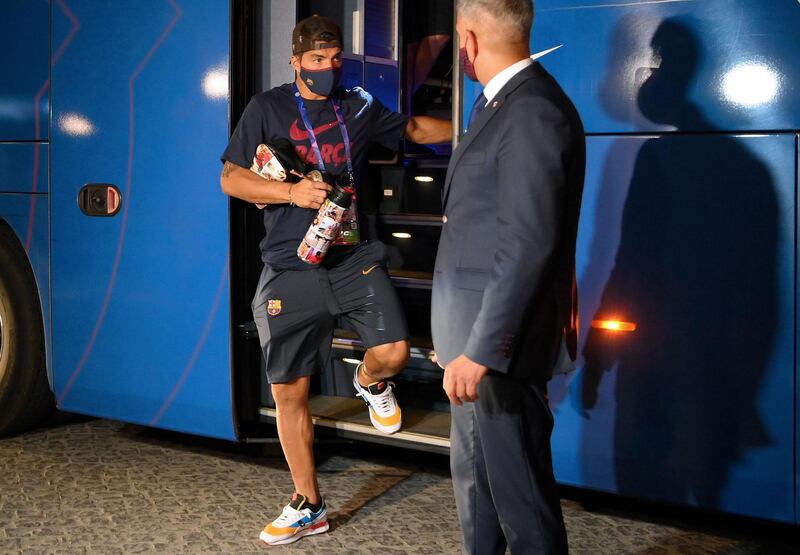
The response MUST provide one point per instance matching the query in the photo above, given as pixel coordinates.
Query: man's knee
(291, 395)
(392, 356)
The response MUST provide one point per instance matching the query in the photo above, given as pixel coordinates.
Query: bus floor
(95, 486)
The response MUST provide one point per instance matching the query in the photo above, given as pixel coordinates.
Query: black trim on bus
(245, 359)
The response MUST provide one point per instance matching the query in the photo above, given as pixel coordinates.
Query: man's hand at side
(461, 378)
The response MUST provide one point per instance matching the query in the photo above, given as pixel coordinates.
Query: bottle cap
(340, 197)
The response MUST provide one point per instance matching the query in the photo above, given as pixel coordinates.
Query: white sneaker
(383, 409)
(295, 522)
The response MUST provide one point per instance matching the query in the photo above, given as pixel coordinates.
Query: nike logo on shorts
(368, 270)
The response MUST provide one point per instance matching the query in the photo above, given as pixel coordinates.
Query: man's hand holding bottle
(308, 193)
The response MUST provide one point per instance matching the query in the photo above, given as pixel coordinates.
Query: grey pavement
(96, 486)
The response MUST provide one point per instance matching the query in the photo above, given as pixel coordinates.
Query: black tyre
(25, 396)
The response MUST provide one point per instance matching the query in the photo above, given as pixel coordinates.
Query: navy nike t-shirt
(273, 115)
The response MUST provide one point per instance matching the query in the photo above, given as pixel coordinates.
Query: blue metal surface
(691, 238)
(140, 301)
(352, 72)
(733, 61)
(695, 407)
(470, 91)
(27, 215)
(379, 28)
(23, 167)
(24, 96)
(381, 82)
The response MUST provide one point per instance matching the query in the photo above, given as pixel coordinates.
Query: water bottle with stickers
(325, 227)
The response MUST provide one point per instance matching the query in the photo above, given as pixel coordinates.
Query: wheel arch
(37, 259)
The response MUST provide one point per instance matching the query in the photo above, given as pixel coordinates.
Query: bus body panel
(24, 97)
(381, 80)
(735, 60)
(708, 422)
(24, 131)
(796, 369)
(141, 299)
(696, 405)
(23, 169)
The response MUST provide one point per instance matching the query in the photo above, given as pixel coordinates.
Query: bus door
(139, 225)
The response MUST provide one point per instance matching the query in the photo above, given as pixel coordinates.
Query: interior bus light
(401, 235)
(423, 178)
(351, 360)
(613, 325)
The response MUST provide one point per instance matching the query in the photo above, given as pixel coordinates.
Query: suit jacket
(503, 288)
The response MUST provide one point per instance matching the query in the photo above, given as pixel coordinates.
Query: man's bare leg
(296, 434)
(383, 361)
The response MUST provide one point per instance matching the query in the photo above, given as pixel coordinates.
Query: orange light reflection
(614, 325)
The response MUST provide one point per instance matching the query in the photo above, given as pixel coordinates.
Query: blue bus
(126, 274)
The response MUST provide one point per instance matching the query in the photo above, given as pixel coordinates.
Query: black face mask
(322, 81)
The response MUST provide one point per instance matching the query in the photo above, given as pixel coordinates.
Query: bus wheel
(25, 396)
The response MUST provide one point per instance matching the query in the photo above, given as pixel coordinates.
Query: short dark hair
(514, 15)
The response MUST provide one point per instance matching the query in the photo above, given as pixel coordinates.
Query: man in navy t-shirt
(296, 303)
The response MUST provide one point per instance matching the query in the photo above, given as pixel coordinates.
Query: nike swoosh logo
(298, 134)
(365, 272)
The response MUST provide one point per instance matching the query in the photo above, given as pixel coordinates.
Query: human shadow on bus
(695, 270)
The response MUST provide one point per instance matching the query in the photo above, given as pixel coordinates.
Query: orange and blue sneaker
(296, 520)
(384, 412)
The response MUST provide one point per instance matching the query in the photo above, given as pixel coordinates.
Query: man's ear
(471, 44)
(295, 61)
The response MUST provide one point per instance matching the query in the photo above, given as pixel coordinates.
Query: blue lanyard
(312, 137)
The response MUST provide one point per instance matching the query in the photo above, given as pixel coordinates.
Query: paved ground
(103, 487)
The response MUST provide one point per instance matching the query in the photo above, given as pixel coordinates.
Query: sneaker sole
(375, 424)
(318, 528)
(381, 428)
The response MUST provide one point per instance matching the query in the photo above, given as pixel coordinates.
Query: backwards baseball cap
(314, 33)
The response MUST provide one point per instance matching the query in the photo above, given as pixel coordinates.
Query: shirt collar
(498, 81)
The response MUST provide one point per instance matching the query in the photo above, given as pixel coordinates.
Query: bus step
(425, 430)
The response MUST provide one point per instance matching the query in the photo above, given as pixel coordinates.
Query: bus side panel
(141, 300)
(736, 60)
(23, 169)
(24, 54)
(16, 211)
(381, 82)
(691, 238)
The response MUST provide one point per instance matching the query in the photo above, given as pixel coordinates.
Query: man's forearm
(428, 130)
(248, 186)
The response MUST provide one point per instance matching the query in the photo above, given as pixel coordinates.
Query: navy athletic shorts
(296, 311)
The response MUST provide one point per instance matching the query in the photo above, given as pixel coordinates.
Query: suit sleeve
(531, 197)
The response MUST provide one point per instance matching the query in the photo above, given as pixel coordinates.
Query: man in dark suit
(503, 291)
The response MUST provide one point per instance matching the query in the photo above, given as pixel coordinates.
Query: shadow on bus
(696, 270)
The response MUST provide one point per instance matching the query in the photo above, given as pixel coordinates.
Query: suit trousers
(502, 470)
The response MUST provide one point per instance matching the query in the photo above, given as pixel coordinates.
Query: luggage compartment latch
(99, 199)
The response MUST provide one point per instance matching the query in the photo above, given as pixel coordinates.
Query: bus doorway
(401, 52)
